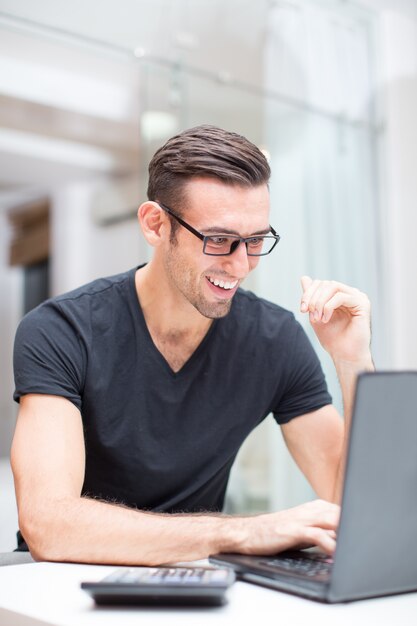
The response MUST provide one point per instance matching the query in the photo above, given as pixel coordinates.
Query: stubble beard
(192, 290)
(212, 310)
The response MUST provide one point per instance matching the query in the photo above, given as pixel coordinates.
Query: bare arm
(48, 461)
(340, 316)
(315, 441)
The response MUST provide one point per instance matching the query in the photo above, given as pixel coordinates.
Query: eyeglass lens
(224, 244)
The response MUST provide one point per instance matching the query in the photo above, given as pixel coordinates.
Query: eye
(255, 242)
(218, 240)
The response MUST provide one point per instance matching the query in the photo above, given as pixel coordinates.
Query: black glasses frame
(233, 246)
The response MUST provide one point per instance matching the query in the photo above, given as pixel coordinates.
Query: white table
(49, 593)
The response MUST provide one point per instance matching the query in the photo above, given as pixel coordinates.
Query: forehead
(210, 202)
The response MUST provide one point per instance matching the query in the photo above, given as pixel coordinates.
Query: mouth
(222, 288)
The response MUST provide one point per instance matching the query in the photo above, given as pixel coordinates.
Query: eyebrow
(219, 230)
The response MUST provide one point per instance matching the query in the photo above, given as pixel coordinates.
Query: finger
(324, 291)
(320, 538)
(350, 297)
(318, 512)
(309, 290)
(313, 291)
(323, 514)
(336, 302)
(305, 284)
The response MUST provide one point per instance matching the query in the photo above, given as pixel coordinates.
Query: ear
(154, 222)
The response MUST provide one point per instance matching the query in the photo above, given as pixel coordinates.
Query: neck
(166, 311)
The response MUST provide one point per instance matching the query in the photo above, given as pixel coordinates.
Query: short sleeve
(305, 387)
(49, 356)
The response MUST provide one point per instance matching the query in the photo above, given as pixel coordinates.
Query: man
(137, 391)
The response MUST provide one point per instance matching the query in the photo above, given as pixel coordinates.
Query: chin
(214, 311)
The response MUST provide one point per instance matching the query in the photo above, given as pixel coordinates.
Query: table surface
(49, 593)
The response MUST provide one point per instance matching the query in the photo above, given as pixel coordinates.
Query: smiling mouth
(223, 284)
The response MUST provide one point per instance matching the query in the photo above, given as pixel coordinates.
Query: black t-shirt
(156, 439)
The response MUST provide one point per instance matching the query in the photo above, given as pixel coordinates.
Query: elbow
(35, 533)
(43, 533)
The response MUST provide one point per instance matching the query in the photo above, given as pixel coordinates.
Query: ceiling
(211, 34)
(216, 35)
(222, 37)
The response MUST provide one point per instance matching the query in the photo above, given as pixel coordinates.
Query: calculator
(203, 586)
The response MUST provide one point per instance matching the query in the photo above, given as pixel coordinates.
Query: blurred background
(327, 88)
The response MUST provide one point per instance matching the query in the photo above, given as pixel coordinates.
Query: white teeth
(223, 284)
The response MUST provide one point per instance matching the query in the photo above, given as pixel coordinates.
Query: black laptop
(376, 551)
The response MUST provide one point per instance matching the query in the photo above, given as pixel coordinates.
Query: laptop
(376, 552)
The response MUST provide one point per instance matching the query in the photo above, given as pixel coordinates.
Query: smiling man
(136, 391)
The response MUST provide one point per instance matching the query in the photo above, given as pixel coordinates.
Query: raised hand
(340, 316)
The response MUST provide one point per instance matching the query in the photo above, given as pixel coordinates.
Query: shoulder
(262, 315)
(99, 288)
(57, 341)
(77, 308)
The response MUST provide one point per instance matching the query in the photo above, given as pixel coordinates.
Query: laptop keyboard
(315, 567)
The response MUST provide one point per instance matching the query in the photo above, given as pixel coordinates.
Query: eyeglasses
(221, 244)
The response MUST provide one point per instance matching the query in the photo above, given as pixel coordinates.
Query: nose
(238, 263)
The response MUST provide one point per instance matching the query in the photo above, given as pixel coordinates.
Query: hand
(311, 524)
(340, 316)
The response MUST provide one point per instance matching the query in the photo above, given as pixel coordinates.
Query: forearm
(92, 531)
(347, 372)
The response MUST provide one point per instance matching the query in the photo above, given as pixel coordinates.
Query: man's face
(215, 207)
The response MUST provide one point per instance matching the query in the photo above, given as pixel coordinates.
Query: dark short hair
(204, 151)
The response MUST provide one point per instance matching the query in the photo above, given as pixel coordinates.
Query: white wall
(11, 298)
(398, 39)
(8, 511)
(82, 249)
